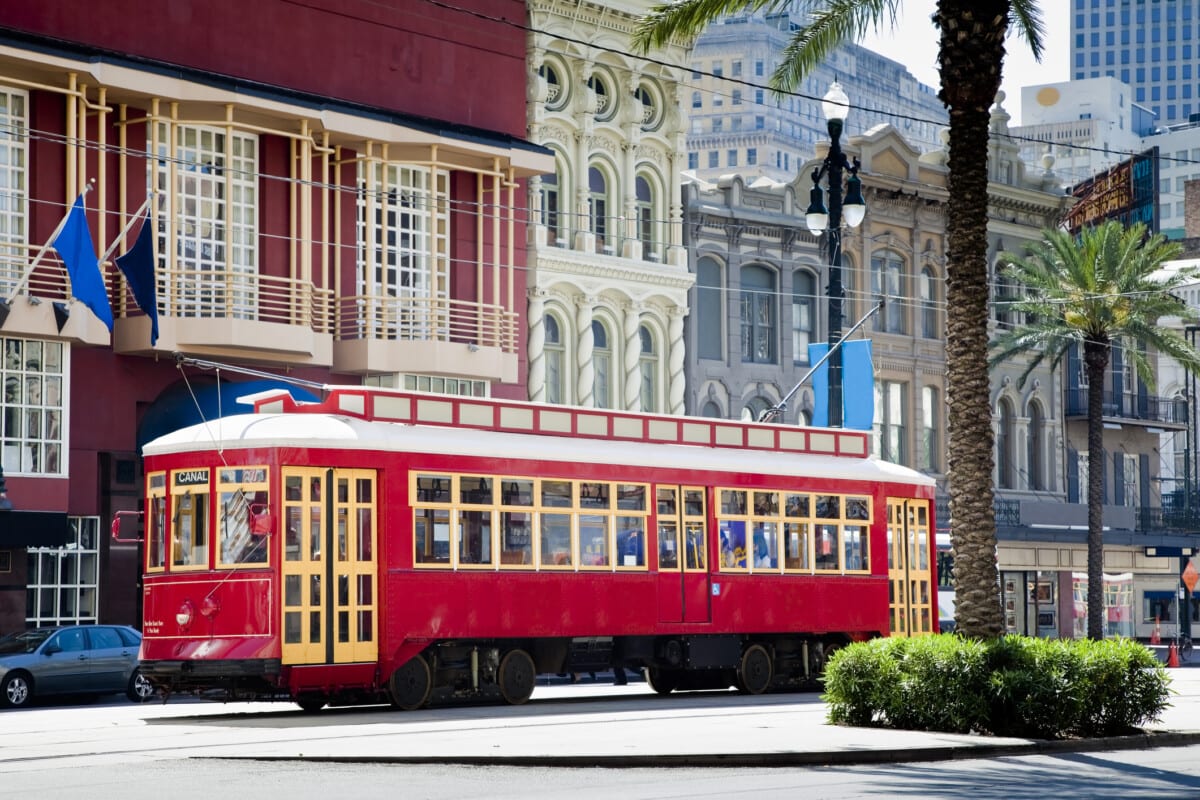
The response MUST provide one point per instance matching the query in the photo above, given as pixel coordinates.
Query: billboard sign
(1127, 192)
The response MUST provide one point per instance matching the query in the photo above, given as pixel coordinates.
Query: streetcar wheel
(663, 681)
(517, 677)
(411, 684)
(755, 670)
(140, 689)
(311, 704)
(17, 690)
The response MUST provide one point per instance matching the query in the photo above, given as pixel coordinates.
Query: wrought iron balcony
(1146, 408)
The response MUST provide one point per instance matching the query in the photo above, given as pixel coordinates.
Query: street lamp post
(836, 107)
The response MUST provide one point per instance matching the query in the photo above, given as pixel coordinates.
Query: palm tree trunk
(971, 54)
(1095, 359)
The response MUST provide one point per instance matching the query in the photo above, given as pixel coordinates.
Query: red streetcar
(383, 545)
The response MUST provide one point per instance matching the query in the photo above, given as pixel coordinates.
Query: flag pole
(21, 284)
(778, 410)
(132, 220)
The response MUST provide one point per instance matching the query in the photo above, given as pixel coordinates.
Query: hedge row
(1011, 686)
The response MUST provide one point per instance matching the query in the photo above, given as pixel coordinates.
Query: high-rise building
(1152, 46)
(739, 125)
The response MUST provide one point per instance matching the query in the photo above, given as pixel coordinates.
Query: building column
(536, 345)
(585, 385)
(633, 356)
(675, 350)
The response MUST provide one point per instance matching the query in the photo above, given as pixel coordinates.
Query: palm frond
(689, 18)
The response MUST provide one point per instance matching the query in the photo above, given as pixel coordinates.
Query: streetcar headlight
(209, 608)
(185, 613)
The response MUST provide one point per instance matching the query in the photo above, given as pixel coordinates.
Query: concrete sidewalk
(714, 729)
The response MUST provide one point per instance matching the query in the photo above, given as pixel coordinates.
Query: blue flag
(858, 385)
(74, 246)
(138, 267)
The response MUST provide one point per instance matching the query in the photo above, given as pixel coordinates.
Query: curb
(1142, 741)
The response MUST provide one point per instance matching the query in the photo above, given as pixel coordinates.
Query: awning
(183, 405)
(34, 529)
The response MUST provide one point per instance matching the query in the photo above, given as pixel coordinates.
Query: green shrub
(1011, 686)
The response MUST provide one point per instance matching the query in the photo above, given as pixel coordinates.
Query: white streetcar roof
(258, 431)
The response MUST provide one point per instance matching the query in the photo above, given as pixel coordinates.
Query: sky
(914, 34)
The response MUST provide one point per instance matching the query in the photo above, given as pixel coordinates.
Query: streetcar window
(593, 540)
(797, 505)
(859, 508)
(189, 521)
(156, 521)
(766, 503)
(475, 491)
(631, 541)
(594, 495)
(556, 540)
(693, 502)
(796, 544)
(517, 538)
(433, 488)
(694, 546)
(516, 492)
(431, 535)
(631, 497)
(475, 537)
(827, 547)
(733, 502)
(766, 545)
(829, 506)
(557, 494)
(733, 544)
(854, 538)
(244, 524)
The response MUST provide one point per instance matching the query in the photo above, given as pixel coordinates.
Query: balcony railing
(424, 319)
(236, 295)
(1130, 406)
(1008, 513)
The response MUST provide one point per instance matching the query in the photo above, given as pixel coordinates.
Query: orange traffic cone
(1155, 636)
(1172, 656)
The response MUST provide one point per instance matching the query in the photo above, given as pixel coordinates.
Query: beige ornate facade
(608, 293)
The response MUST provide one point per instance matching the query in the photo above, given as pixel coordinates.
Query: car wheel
(140, 689)
(17, 690)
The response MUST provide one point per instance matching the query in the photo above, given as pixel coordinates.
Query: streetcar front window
(189, 519)
(245, 524)
(156, 521)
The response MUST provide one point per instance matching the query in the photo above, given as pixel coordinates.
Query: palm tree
(970, 60)
(1091, 292)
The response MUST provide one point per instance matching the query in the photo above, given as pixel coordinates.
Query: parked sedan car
(71, 660)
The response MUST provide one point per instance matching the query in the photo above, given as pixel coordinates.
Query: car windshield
(24, 641)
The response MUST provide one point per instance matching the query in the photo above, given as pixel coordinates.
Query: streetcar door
(329, 583)
(683, 581)
(910, 575)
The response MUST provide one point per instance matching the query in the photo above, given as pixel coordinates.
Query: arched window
(649, 365)
(753, 410)
(929, 324)
(1005, 463)
(711, 410)
(556, 91)
(758, 315)
(710, 312)
(602, 361)
(804, 296)
(556, 354)
(887, 281)
(1037, 448)
(645, 219)
(598, 209)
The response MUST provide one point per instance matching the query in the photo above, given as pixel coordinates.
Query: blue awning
(181, 405)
